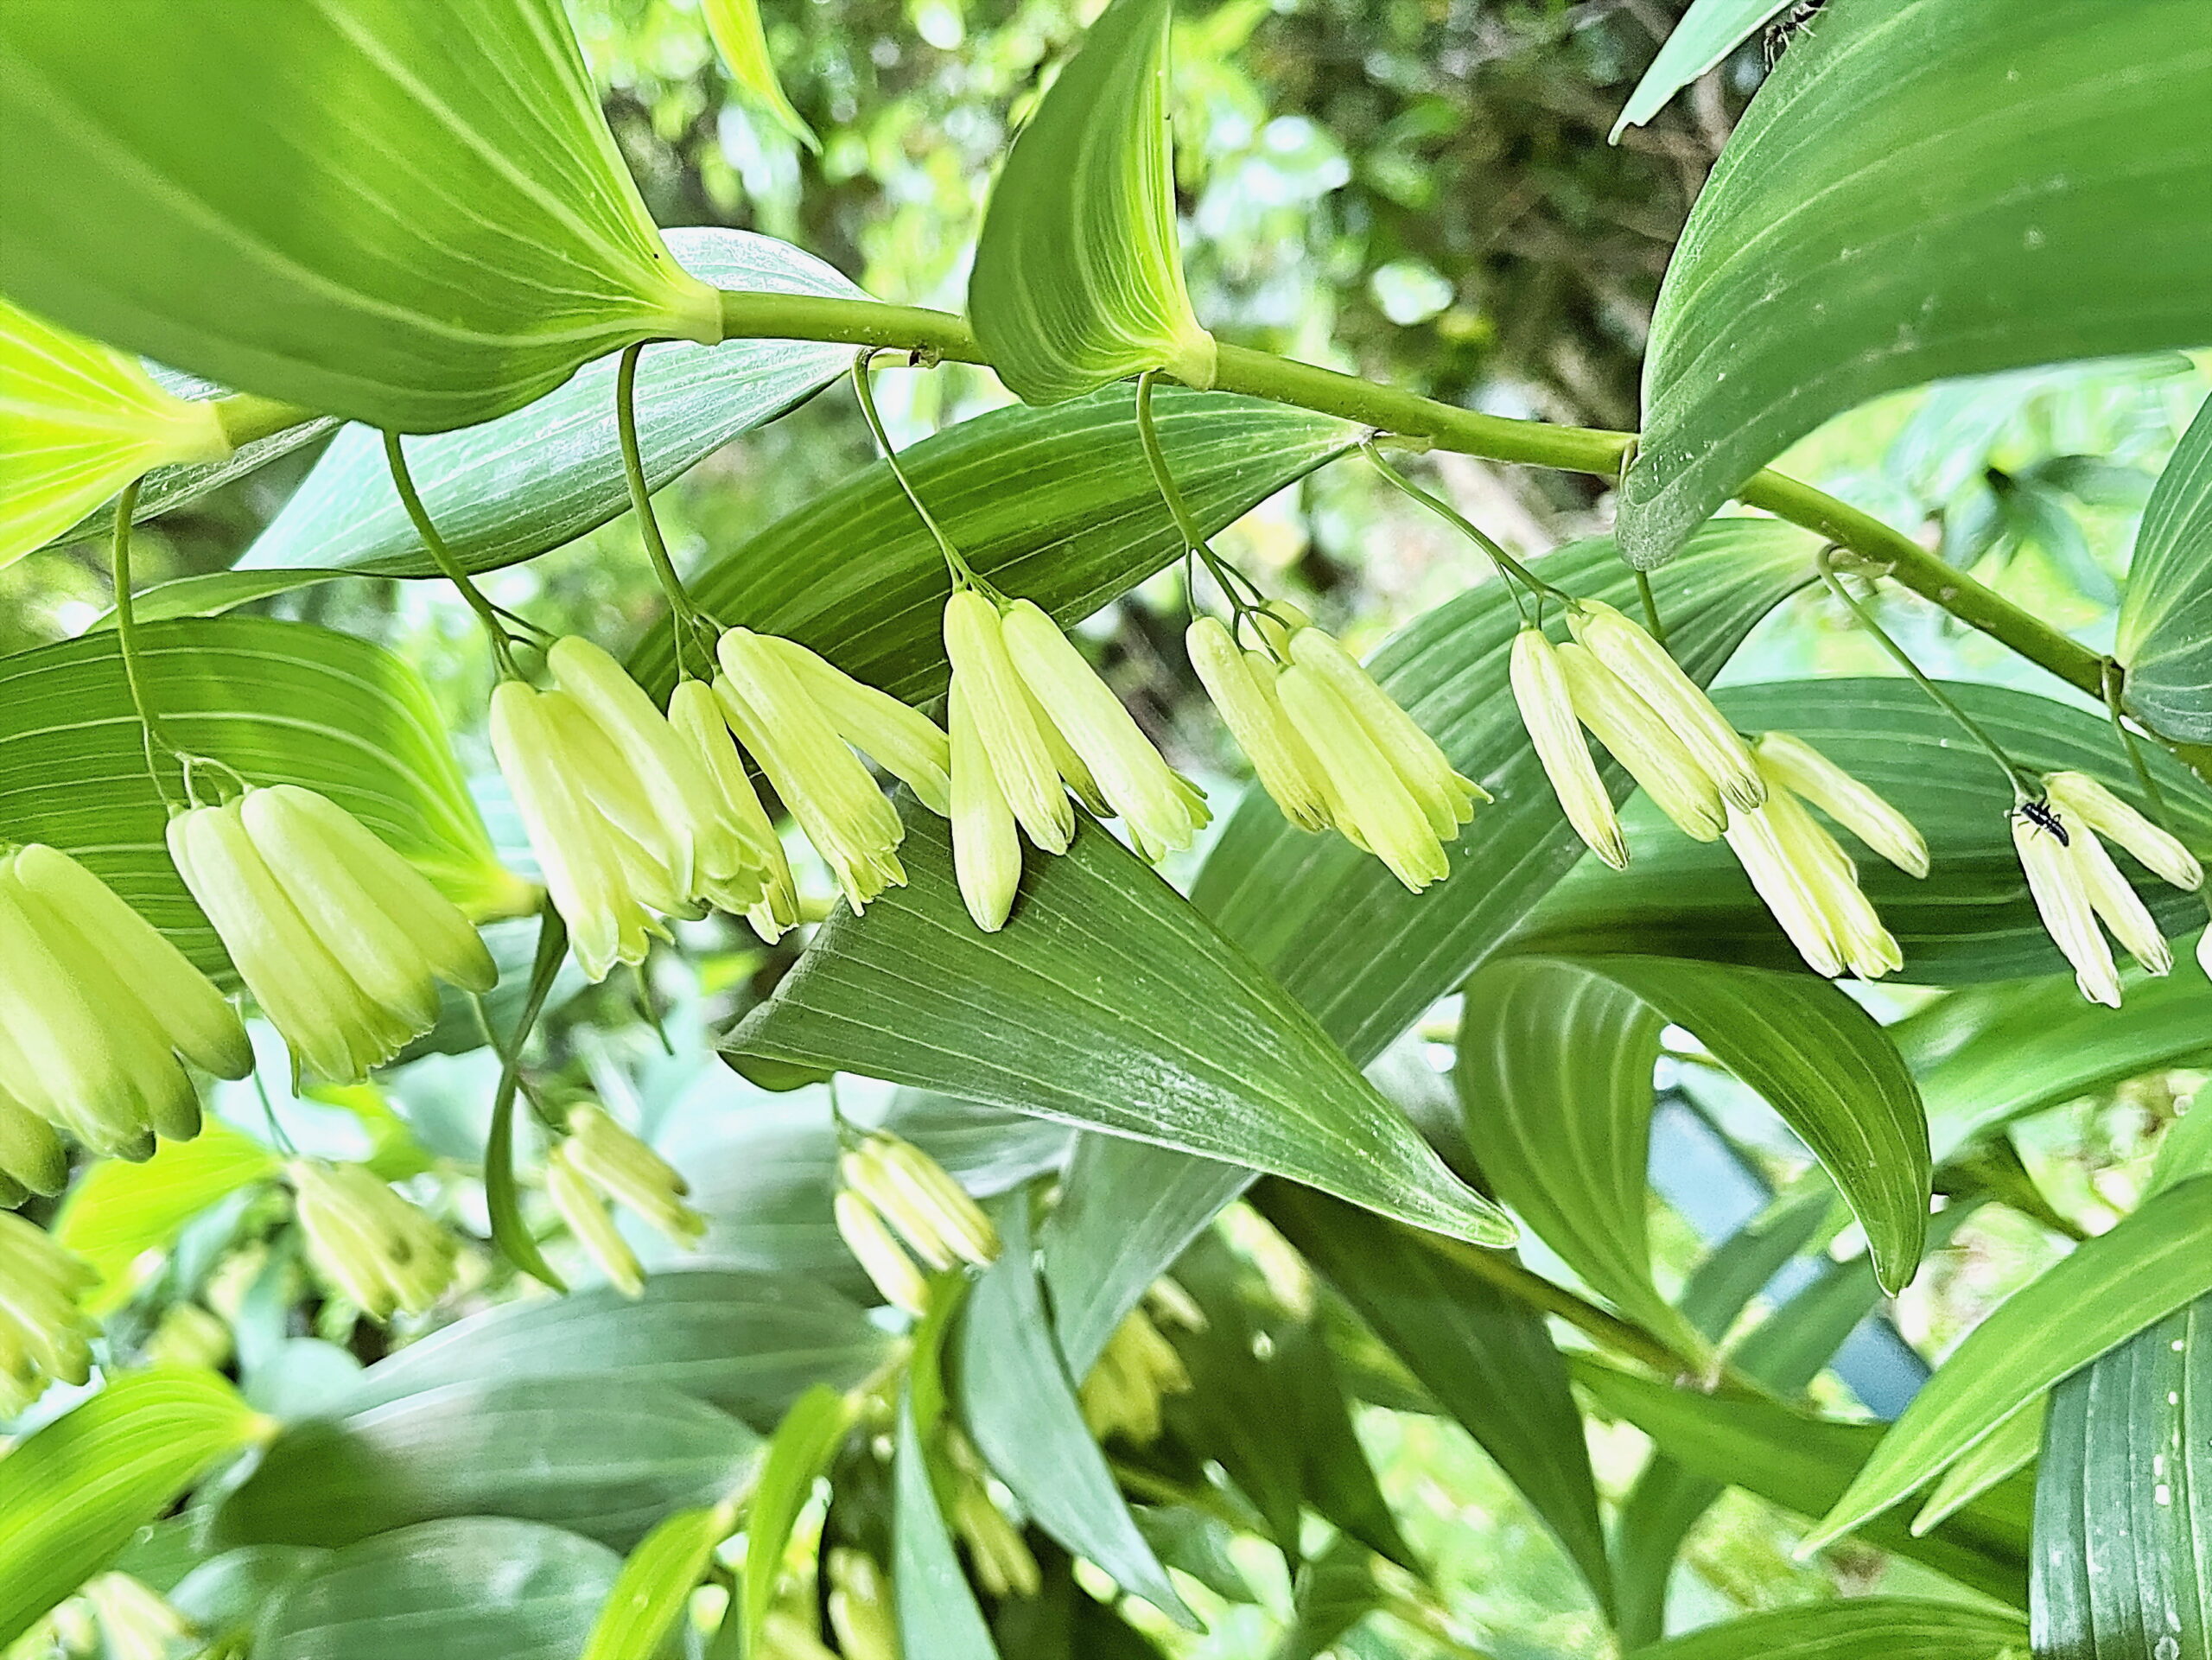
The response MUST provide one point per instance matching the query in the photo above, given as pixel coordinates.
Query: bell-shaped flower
(2045, 843)
(2076, 885)
(1810, 885)
(1644, 665)
(2081, 800)
(896, 737)
(626, 1170)
(1547, 710)
(986, 850)
(45, 1335)
(340, 940)
(32, 1158)
(921, 1200)
(382, 1252)
(779, 719)
(585, 1213)
(1163, 810)
(1136, 1368)
(1007, 719)
(1635, 737)
(1447, 799)
(663, 777)
(893, 1272)
(1804, 771)
(1375, 810)
(98, 1011)
(1004, 1564)
(860, 1606)
(741, 869)
(1242, 687)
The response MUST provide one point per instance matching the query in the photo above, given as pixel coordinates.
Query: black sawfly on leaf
(2043, 816)
(1786, 27)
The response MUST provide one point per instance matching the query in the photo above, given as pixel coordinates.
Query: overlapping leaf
(651, 1596)
(937, 1614)
(117, 1211)
(1707, 33)
(1859, 1628)
(2165, 622)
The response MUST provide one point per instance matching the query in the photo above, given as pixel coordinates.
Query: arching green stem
(442, 557)
(962, 575)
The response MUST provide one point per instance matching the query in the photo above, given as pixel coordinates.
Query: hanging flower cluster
(1134, 1373)
(45, 1335)
(860, 1612)
(598, 1161)
(888, 1182)
(382, 1252)
(1005, 1566)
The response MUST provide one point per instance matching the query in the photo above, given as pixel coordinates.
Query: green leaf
(1020, 1408)
(1923, 188)
(1489, 1361)
(2113, 1286)
(78, 422)
(1707, 33)
(568, 1452)
(937, 1616)
(283, 702)
(2165, 622)
(1338, 1482)
(2009, 1446)
(1110, 1004)
(478, 1587)
(1053, 504)
(73, 1492)
(1332, 1594)
(750, 1344)
(1970, 919)
(117, 1211)
(2124, 1556)
(799, 1454)
(1801, 1463)
(1856, 1628)
(471, 241)
(735, 25)
(1078, 280)
(654, 1589)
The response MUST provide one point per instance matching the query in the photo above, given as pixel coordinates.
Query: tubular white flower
(2119, 905)
(31, 1154)
(579, 1206)
(1447, 799)
(1376, 809)
(860, 1607)
(1004, 1562)
(887, 1264)
(896, 737)
(1254, 719)
(666, 773)
(1009, 720)
(1639, 740)
(847, 818)
(1644, 665)
(1826, 871)
(1785, 889)
(1801, 769)
(380, 1250)
(1163, 810)
(920, 1198)
(1547, 710)
(741, 868)
(631, 1173)
(986, 851)
(1137, 1368)
(610, 888)
(45, 1335)
(2083, 800)
(2055, 880)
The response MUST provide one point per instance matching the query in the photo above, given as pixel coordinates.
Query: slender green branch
(866, 393)
(1516, 572)
(1163, 478)
(682, 615)
(1657, 626)
(442, 557)
(126, 640)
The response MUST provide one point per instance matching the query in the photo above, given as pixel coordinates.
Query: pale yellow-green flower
(896, 737)
(2045, 843)
(1005, 1566)
(742, 868)
(1635, 735)
(1373, 807)
(626, 1170)
(1808, 881)
(1540, 687)
(2083, 800)
(580, 1208)
(32, 1158)
(1134, 1372)
(382, 1253)
(1644, 665)
(1008, 720)
(921, 1200)
(134, 1624)
(189, 1335)
(2204, 952)
(340, 940)
(45, 1335)
(860, 1606)
(893, 1272)
(1242, 685)
(986, 850)
(1798, 767)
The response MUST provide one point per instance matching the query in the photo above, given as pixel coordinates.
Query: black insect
(2043, 816)
(1786, 26)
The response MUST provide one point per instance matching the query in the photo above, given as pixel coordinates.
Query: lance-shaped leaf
(1925, 189)
(1077, 277)
(2124, 1500)
(743, 43)
(654, 1588)
(798, 1453)
(1109, 1003)
(1708, 32)
(118, 1211)
(78, 422)
(937, 1614)
(1858, 1628)
(410, 215)
(2165, 622)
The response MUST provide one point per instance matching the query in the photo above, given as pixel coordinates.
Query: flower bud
(1007, 719)
(1785, 889)
(888, 1266)
(1827, 873)
(986, 852)
(896, 737)
(1801, 769)
(847, 818)
(860, 1607)
(1547, 710)
(2117, 905)
(31, 1154)
(631, 1173)
(382, 1252)
(1163, 810)
(1639, 740)
(921, 1200)
(44, 1334)
(742, 870)
(667, 774)
(2083, 800)
(1135, 1370)
(786, 1637)
(1004, 1562)
(1447, 799)
(579, 1206)
(1644, 665)
(2042, 838)
(1378, 811)
(1254, 719)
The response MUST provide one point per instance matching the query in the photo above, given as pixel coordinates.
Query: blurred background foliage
(1417, 189)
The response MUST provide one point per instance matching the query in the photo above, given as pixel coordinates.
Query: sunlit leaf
(1707, 33)
(798, 1454)
(656, 1584)
(1859, 1628)
(117, 1211)
(2165, 622)
(735, 25)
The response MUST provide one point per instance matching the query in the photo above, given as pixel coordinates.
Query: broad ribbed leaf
(1925, 189)
(750, 1344)
(654, 1590)
(410, 215)
(2112, 1287)
(1054, 505)
(283, 702)
(2124, 1501)
(799, 1454)
(937, 1609)
(743, 44)
(117, 1211)
(2165, 622)
(1970, 919)
(1077, 279)
(1708, 32)
(1019, 1408)
(568, 1452)
(78, 422)
(1801, 1462)
(2009, 1447)
(73, 1492)
(1489, 1360)
(1108, 1003)
(1858, 1628)
(478, 1587)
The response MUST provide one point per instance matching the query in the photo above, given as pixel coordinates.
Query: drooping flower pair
(887, 1183)
(598, 1161)
(384, 1254)
(45, 1335)
(1133, 1374)
(2076, 885)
